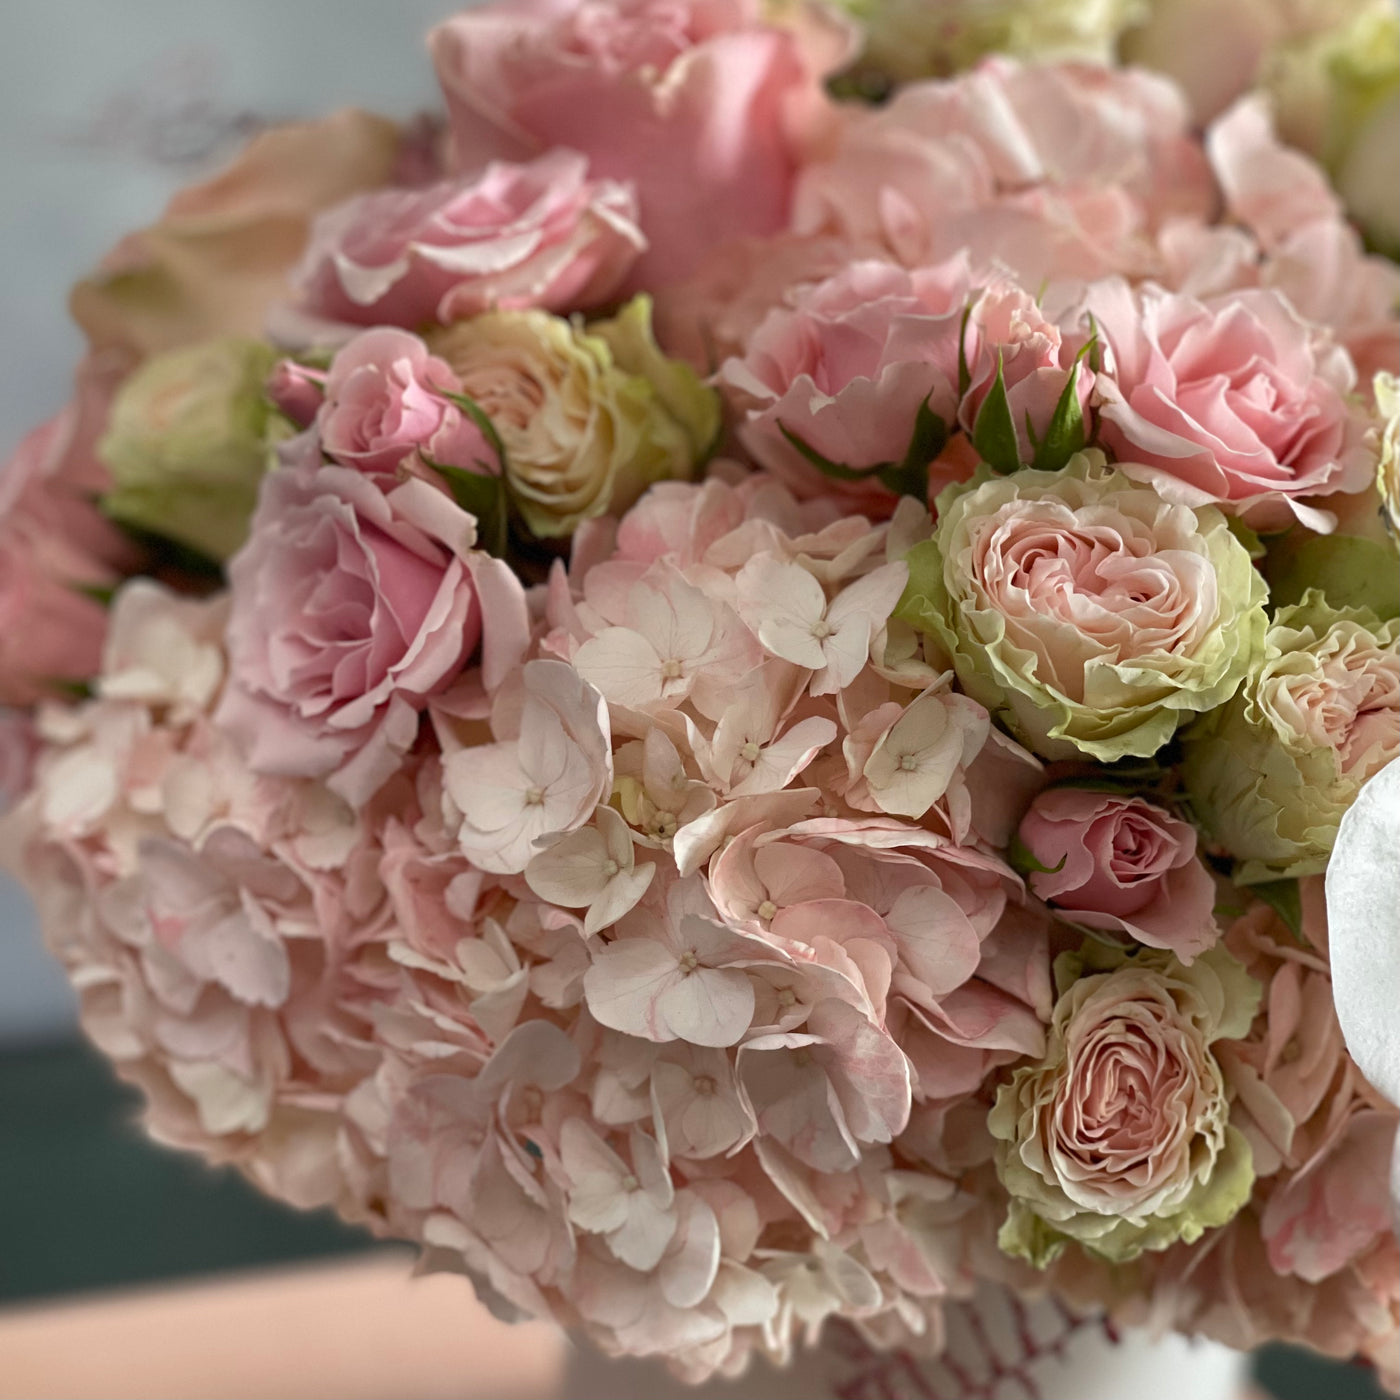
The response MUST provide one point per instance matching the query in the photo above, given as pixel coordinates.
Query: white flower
(787, 610)
(593, 868)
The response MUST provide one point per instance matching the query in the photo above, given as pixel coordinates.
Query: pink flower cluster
(701, 908)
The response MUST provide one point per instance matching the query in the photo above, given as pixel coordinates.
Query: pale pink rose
(387, 401)
(296, 390)
(1007, 333)
(541, 234)
(1268, 187)
(1055, 170)
(352, 607)
(846, 371)
(52, 623)
(1326, 274)
(1121, 864)
(714, 313)
(706, 107)
(1234, 400)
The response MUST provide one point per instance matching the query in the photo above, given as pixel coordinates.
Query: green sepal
(994, 430)
(907, 477)
(484, 497)
(1067, 433)
(1285, 898)
(482, 419)
(1023, 861)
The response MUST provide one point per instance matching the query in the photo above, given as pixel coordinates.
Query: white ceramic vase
(998, 1351)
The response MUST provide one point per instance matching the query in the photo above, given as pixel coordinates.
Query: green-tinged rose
(187, 444)
(1337, 95)
(1271, 774)
(1084, 611)
(1120, 1138)
(908, 39)
(589, 416)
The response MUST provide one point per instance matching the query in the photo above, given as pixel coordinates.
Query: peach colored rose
(221, 254)
(1234, 399)
(350, 608)
(509, 237)
(1121, 864)
(1120, 1138)
(703, 104)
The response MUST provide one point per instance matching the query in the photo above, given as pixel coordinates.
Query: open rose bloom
(780, 677)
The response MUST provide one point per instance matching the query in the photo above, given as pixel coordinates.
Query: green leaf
(907, 477)
(929, 438)
(479, 416)
(99, 592)
(483, 496)
(994, 431)
(1021, 859)
(1286, 900)
(964, 373)
(1067, 433)
(838, 471)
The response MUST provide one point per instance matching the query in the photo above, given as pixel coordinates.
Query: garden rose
(1120, 1137)
(1121, 864)
(350, 608)
(847, 369)
(58, 558)
(1084, 611)
(508, 237)
(1271, 773)
(187, 444)
(705, 106)
(1234, 400)
(589, 418)
(386, 400)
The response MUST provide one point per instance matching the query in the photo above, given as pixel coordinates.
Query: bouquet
(720, 686)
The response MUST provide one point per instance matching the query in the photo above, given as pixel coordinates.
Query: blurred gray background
(107, 107)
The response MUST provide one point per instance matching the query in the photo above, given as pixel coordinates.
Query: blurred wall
(106, 107)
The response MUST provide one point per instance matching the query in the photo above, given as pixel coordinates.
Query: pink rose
(1234, 399)
(1121, 864)
(703, 104)
(57, 554)
(847, 370)
(386, 400)
(297, 391)
(511, 236)
(1008, 333)
(350, 608)
(1054, 170)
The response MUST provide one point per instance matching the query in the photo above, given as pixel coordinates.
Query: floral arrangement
(721, 687)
